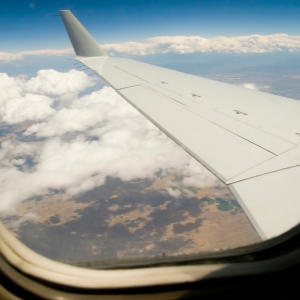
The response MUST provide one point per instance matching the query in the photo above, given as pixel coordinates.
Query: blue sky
(32, 25)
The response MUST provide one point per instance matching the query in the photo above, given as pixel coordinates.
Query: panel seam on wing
(165, 96)
(130, 74)
(228, 182)
(127, 87)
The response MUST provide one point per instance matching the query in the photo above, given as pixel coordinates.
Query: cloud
(254, 43)
(22, 100)
(250, 86)
(28, 107)
(174, 192)
(254, 86)
(53, 83)
(13, 153)
(26, 217)
(191, 44)
(86, 140)
(10, 87)
(198, 176)
(7, 57)
(84, 113)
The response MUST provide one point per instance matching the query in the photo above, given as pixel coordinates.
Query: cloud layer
(254, 43)
(74, 145)
(6, 57)
(191, 44)
(22, 99)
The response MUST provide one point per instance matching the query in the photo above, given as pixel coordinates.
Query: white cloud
(82, 114)
(7, 57)
(22, 99)
(254, 86)
(174, 192)
(51, 82)
(251, 86)
(126, 145)
(10, 87)
(28, 107)
(198, 176)
(11, 152)
(191, 44)
(254, 43)
(27, 217)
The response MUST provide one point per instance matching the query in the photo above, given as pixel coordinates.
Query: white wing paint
(248, 139)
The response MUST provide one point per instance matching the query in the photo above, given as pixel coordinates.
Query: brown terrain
(199, 226)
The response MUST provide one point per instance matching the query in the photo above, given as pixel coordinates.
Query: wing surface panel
(271, 201)
(120, 79)
(286, 160)
(260, 138)
(223, 152)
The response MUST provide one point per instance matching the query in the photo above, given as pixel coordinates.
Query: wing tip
(83, 43)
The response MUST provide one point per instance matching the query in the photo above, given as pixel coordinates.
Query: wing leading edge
(247, 138)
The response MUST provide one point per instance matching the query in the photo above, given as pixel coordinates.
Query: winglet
(83, 43)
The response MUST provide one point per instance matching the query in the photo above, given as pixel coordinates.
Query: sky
(33, 25)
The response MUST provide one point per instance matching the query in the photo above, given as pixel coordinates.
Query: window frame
(34, 274)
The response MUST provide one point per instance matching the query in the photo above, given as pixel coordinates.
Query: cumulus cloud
(82, 114)
(22, 100)
(28, 107)
(11, 152)
(51, 82)
(254, 43)
(86, 140)
(10, 87)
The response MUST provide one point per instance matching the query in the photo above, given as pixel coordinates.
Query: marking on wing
(240, 112)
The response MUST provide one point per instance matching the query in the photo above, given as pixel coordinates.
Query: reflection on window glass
(86, 177)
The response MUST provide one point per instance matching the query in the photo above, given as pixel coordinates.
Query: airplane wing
(248, 139)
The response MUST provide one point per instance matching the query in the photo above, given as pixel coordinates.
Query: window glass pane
(85, 177)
